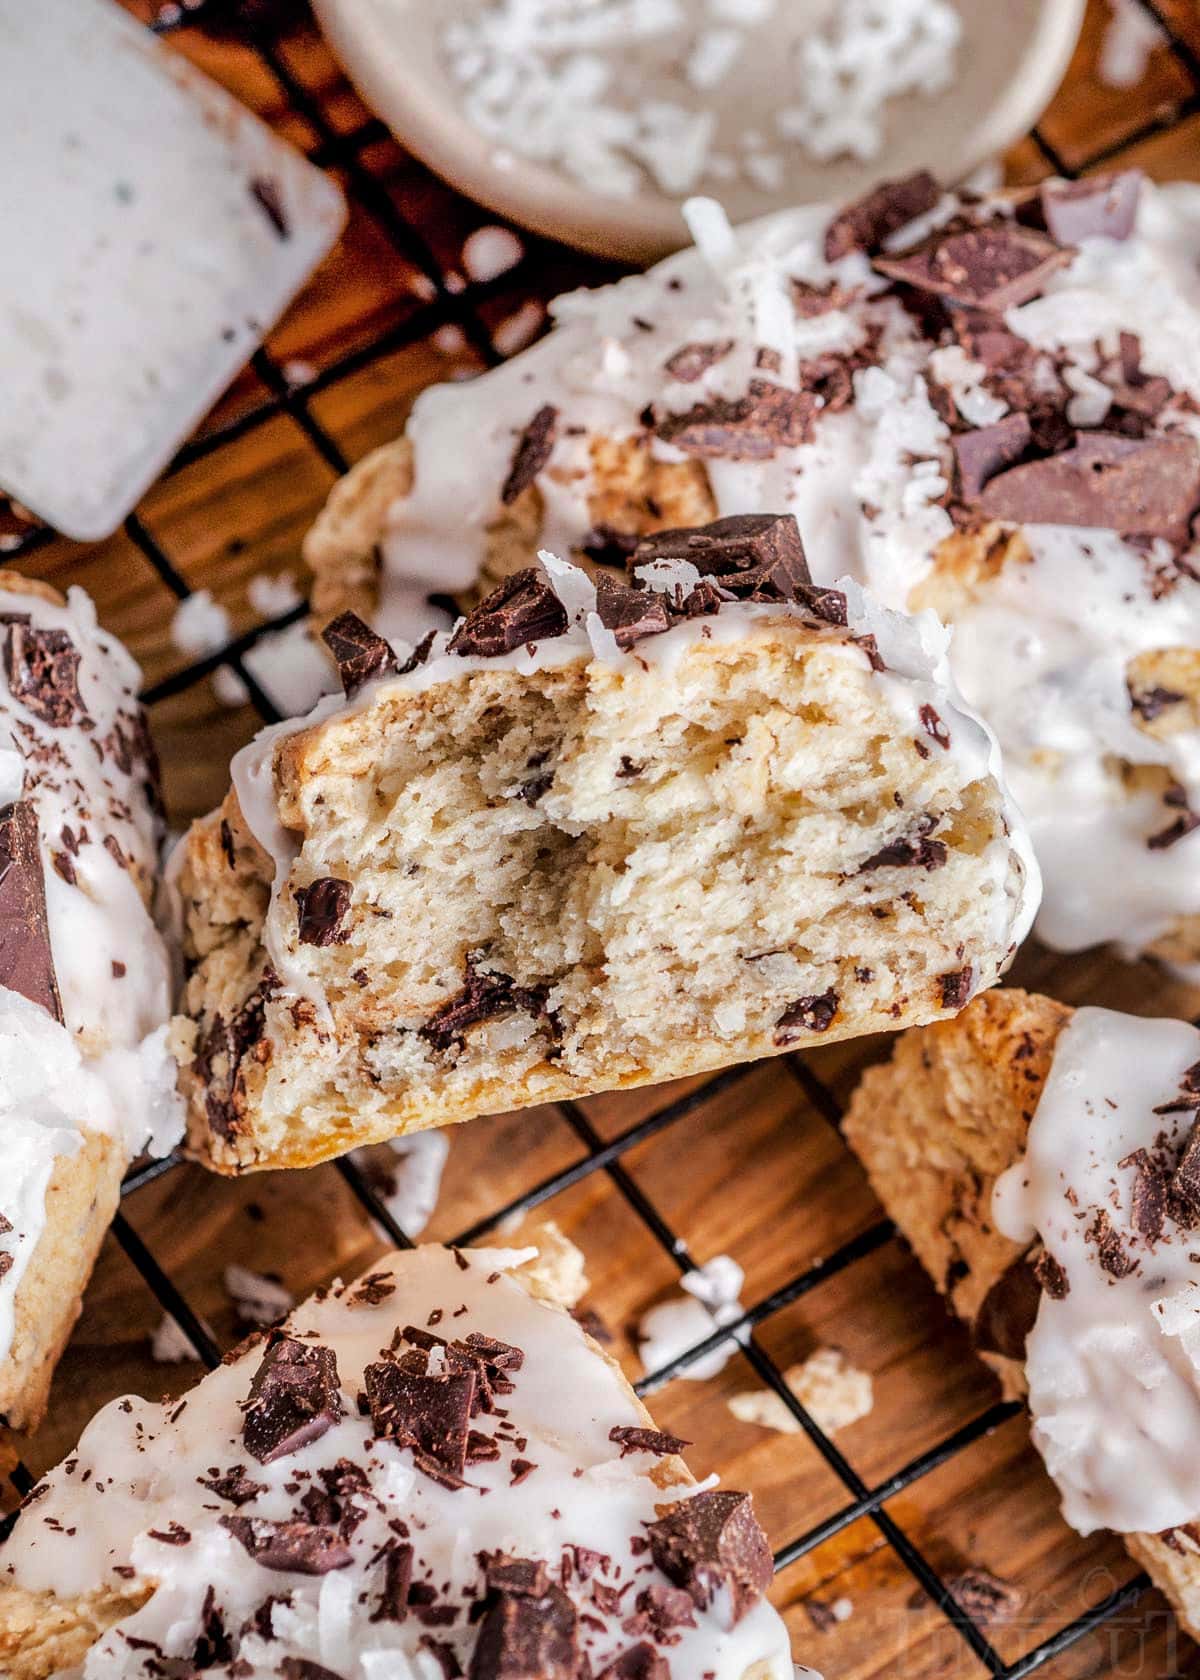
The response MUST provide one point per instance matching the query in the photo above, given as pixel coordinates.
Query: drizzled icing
(107, 1068)
(867, 491)
(915, 676)
(1114, 1364)
(135, 1496)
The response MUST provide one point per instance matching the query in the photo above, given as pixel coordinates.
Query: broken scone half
(1044, 1164)
(433, 1471)
(599, 836)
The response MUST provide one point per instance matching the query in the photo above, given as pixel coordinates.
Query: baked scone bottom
(431, 1471)
(942, 1121)
(498, 881)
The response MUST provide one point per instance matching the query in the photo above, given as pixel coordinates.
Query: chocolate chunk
(397, 1579)
(993, 267)
(1134, 486)
(374, 1288)
(234, 1485)
(1051, 1276)
(955, 989)
(659, 1610)
(630, 614)
(1148, 1199)
(657, 1441)
(908, 853)
(987, 1599)
(481, 1448)
(43, 673)
(301, 1548)
(222, 1050)
(527, 1577)
(430, 1414)
(26, 959)
(1136, 394)
(694, 360)
(755, 557)
(359, 653)
(524, 1638)
(806, 1015)
(501, 1356)
(1183, 825)
(712, 1543)
(321, 908)
(523, 609)
(1098, 207)
(1185, 1181)
(870, 221)
(293, 1399)
(987, 450)
(533, 450)
(1008, 1311)
(933, 726)
(769, 418)
(607, 546)
(1111, 1252)
(265, 193)
(637, 1662)
(483, 996)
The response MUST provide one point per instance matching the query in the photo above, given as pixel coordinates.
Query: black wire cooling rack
(460, 307)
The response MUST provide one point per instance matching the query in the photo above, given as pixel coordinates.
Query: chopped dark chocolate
(993, 267)
(522, 1638)
(301, 1548)
(1098, 207)
(234, 1485)
(397, 1579)
(1111, 1252)
(322, 907)
(523, 609)
(1051, 1276)
(752, 428)
(1148, 1199)
(933, 726)
(501, 1355)
(303, 1668)
(1134, 486)
(908, 853)
(658, 1611)
(989, 1601)
(526, 1577)
(866, 224)
(806, 1015)
(483, 996)
(631, 1439)
(430, 1414)
(754, 557)
(43, 673)
(1184, 1187)
(955, 989)
(630, 614)
(810, 301)
(359, 653)
(293, 1399)
(987, 450)
(712, 1543)
(637, 1662)
(693, 361)
(264, 190)
(533, 450)
(26, 958)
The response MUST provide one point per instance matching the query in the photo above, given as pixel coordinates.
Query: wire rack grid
(462, 307)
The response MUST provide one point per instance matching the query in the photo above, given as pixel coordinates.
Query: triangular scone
(433, 1471)
(938, 1124)
(592, 841)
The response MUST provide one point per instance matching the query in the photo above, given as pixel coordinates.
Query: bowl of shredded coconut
(592, 120)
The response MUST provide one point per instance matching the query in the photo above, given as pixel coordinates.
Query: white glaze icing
(865, 491)
(137, 1468)
(1114, 1366)
(108, 1067)
(917, 674)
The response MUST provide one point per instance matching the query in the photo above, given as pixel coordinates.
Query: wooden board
(755, 1168)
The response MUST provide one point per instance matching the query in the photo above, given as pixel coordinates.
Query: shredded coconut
(520, 329)
(622, 93)
(674, 1325)
(832, 1391)
(169, 1345)
(257, 1300)
(489, 252)
(200, 625)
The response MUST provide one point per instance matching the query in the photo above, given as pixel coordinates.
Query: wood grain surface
(757, 1170)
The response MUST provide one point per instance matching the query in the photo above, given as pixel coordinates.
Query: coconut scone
(1045, 1166)
(986, 405)
(431, 1472)
(86, 1080)
(594, 838)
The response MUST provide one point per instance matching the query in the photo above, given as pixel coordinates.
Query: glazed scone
(595, 839)
(86, 1081)
(432, 1472)
(1045, 1166)
(988, 406)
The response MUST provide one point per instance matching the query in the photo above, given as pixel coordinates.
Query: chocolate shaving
(526, 1577)
(1134, 486)
(299, 1548)
(233, 1485)
(1111, 1252)
(1148, 1198)
(693, 361)
(265, 193)
(1051, 1276)
(293, 1399)
(1184, 1186)
(657, 1441)
(659, 1610)
(870, 221)
(752, 428)
(359, 653)
(43, 673)
(26, 958)
(533, 450)
(637, 1662)
(322, 907)
(712, 1543)
(987, 450)
(806, 1015)
(397, 1579)
(994, 267)
(522, 610)
(955, 989)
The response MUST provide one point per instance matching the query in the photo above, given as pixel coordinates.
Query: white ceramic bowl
(1011, 59)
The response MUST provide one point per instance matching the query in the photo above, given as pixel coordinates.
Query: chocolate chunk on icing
(1185, 1180)
(43, 672)
(524, 1638)
(397, 1579)
(359, 653)
(26, 959)
(982, 453)
(293, 1399)
(992, 267)
(527, 1577)
(693, 361)
(658, 1441)
(523, 609)
(752, 428)
(867, 223)
(753, 556)
(299, 1548)
(630, 614)
(806, 1015)
(712, 1543)
(1134, 486)
(637, 1662)
(431, 1414)
(1098, 207)
(322, 907)
(534, 448)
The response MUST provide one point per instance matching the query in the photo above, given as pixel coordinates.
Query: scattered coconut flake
(516, 331)
(200, 625)
(674, 1325)
(273, 594)
(1130, 37)
(169, 1344)
(713, 57)
(420, 285)
(832, 1391)
(298, 373)
(489, 252)
(407, 1175)
(288, 664)
(451, 340)
(257, 1300)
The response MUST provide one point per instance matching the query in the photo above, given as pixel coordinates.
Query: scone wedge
(433, 1471)
(591, 840)
(1077, 1273)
